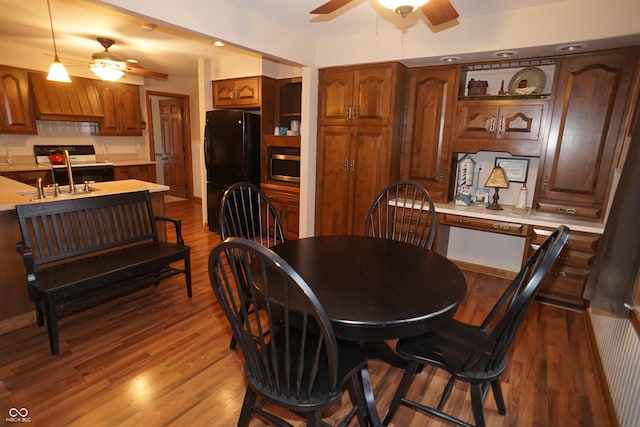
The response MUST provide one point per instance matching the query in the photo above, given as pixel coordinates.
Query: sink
(32, 195)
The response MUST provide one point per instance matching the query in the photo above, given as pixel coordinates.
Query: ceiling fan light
(106, 72)
(402, 7)
(57, 72)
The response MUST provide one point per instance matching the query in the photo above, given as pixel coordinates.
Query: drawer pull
(462, 221)
(570, 211)
(501, 227)
(559, 273)
(563, 258)
(492, 124)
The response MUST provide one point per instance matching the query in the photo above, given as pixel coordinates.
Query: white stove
(84, 165)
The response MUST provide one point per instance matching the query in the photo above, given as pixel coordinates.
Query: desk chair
(299, 365)
(247, 212)
(403, 211)
(477, 355)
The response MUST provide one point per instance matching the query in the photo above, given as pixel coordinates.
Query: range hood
(77, 101)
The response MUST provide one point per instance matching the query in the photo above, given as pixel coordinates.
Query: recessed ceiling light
(148, 27)
(450, 59)
(132, 61)
(217, 43)
(505, 53)
(571, 47)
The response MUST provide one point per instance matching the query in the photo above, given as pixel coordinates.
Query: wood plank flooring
(158, 358)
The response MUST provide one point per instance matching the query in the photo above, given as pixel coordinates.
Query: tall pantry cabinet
(359, 142)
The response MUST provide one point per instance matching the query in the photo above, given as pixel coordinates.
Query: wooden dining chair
(403, 211)
(477, 354)
(247, 212)
(298, 365)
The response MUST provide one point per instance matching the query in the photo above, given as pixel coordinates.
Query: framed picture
(481, 196)
(515, 168)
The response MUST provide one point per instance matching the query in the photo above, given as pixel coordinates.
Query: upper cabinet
(514, 126)
(289, 101)
(75, 101)
(237, 93)
(591, 101)
(426, 151)
(121, 105)
(356, 95)
(16, 115)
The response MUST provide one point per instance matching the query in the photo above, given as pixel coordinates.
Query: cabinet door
(477, 120)
(121, 106)
(336, 96)
(130, 114)
(520, 121)
(372, 95)
(585, 133)
(286, 203)
(370, 170)
(15, 109)
(223, 93)
(332, 182)
(110, 124)
(241, 93)
(426, 152)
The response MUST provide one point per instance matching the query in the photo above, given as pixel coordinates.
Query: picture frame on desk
(516, 169)
(481, 196)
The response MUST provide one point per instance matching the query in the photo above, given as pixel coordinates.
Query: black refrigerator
(231, 153)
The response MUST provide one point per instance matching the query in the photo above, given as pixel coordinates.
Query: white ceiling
(77, 23)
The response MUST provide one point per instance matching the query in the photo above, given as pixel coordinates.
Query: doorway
(169, 141)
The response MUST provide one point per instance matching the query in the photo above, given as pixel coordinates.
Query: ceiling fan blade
(329, 7)
(137, 69)
(439, 11)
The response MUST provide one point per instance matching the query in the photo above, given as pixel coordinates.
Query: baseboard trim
(17, 322)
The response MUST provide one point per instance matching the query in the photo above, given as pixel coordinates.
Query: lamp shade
(497, 178)
(106, 71)
(402, 6)
(57, 72)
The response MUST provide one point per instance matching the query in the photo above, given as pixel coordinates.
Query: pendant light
(57, 72)
(402, 7)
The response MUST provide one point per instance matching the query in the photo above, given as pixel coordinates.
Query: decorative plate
(527, 78)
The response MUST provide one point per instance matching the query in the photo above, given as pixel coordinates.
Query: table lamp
(497, 179)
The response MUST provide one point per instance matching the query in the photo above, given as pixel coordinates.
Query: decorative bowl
(56, 159)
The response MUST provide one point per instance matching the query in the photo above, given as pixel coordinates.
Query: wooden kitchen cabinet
(237, 93)
(426, 148)
(590, 105)
(121, 105)
(286, 202)
(75, 101)
(30, 177)
(359, 142)
(140, 172)
(358, 95)
(565, 281)
(514, 126)
(16, 113)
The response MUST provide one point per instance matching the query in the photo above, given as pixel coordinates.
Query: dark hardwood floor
(158, 358)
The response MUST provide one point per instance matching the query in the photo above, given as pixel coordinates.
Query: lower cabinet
(139, 172)
(286, 201)
(493, 226)
(568, 276)
(30, 177)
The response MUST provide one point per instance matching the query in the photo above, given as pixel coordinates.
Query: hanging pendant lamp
(57, 72)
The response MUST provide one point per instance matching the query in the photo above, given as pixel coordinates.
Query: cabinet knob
(545, 183)
(352, 165)
(570, 211)
(356, 112)
(443, 172)
(346, 165)
(492, 124)
(347, 112)
(501, 227)
(501, 125)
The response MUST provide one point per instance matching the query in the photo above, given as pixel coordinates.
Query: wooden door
(336, 96)
(372, 102)
(15, 109)
(370, 167)
(332, 180)
(426, 152)
(130, 113)
(173, 150)
(585, 136)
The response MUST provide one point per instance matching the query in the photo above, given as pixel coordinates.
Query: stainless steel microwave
(284, 163)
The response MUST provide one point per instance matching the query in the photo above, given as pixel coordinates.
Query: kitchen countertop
(10, 191)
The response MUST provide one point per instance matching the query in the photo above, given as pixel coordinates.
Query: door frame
(186, 131)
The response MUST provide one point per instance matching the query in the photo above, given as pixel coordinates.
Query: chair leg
(52, 325)
(314, 419)
(497, 394)
(446, 393)
(356, 394)
(409, 373)
(374, 418)
(477, 404)
(247, 408)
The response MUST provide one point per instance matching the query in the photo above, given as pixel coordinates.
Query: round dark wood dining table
(375, 289)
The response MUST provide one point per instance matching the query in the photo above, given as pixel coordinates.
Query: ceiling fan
(109, 66)
(437, 11)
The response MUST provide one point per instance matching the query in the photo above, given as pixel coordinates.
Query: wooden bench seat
(82, 251)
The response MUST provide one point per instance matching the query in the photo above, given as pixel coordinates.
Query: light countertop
(10, 191)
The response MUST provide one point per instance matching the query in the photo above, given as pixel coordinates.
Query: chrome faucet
(67, 160)
(40, 189)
